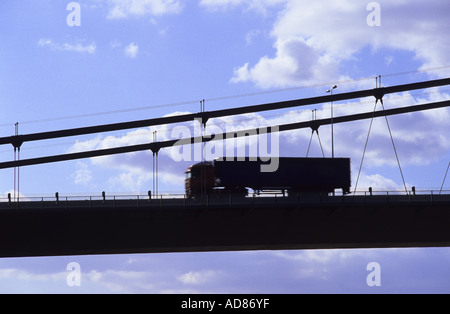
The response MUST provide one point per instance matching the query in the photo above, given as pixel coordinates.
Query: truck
(294, 176)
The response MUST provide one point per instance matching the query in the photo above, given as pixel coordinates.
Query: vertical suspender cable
(157, 165)
(18, 176)
(15, 173)
(154, 168)
(16, 169)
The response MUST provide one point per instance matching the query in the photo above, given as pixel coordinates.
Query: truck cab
(200, 179)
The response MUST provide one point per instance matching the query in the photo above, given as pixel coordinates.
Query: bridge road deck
(125, 226)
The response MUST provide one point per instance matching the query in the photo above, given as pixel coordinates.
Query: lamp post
(332, 121)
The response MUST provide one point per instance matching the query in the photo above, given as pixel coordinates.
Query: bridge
(112, 225)
(146, 224)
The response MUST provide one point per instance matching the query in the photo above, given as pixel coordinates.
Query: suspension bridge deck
(138, 225)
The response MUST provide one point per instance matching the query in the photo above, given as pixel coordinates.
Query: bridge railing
(171, 200)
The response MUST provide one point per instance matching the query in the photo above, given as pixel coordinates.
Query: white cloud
(115, 44)
(131, 179)
(131, 172)
(115, 281)
(388, 60)
(132, 50)
(121, 281)
(313, 38)
(83, 175)
(81, 146)
(29, 276)
(21, 196)
(125, 8)
(296, 63)
(259, 6)
(377, 182)
(251, 35)
(322, 257)
(199, 278)
(90, 49)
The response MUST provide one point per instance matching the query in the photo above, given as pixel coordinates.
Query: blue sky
(133, 59)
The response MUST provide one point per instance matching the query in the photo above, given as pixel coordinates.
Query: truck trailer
(294, 176)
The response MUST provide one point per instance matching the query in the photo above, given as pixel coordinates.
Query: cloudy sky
(136, 59)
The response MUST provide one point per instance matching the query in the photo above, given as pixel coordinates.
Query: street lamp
(332, 121)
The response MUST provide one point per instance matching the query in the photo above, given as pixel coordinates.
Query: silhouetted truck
(292, 175)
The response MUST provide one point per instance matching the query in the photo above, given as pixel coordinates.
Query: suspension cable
(320, 143)
(391, 136)
(315, 129)
(365, 147)
(393, 145)
(395, 150)
(445, 178)
(309, 146)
